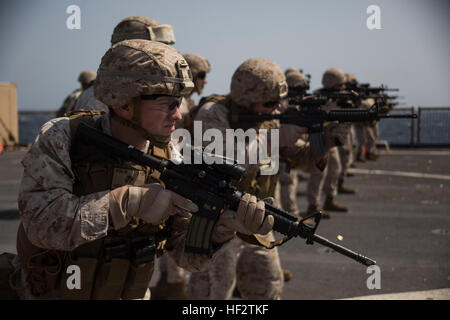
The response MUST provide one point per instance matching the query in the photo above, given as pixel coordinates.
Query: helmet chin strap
(135, 124)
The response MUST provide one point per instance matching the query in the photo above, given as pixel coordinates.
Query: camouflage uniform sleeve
(330, 105)
(296, 150)
(215, 116)
(52, 216)
(367, 103)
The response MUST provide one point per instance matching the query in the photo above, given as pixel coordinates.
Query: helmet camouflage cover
(257, 80)
(142, 28)
(197, 63)
(351, 78)
(132, 68)
(295, 78)
(86, 77)
(291, 69)
(333, 77)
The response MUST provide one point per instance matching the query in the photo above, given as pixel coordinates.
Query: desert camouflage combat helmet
(291, 69)
(86, 77)
(197, 63)
(350, 78)
(295, 78)
(333, 77)
(142, 28)
(257, 80)
(132, 68)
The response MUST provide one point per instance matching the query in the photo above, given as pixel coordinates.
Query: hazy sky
(410, 52)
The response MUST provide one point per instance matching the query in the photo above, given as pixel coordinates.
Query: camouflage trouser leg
(360, 133)
(376, 133)
(346, 155)
(377, 130)
(259, 274)
(314, 188)
(175, 274)
(372, 138)
(333, 171)
(352, 136)
(288, 189)
(255, 270)
(277, 195)
(217, 282)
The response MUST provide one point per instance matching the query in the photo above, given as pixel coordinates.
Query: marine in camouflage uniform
(288, 178)
(173, 281)
(360, 128)
(139, 27)
(346, 150)
(257, 85)
(361, 133)
(356, 128)
(346, 157)
(78, 208)
(135, 27)
(384, 107)
(328, 179)
(373, 131)
(86, 79)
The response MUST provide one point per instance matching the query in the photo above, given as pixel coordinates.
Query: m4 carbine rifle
(377, 93)
(310, 115)
(342, 97)
(366, 89)
(210, 187)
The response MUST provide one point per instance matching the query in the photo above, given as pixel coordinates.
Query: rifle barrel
(346, 252)
(404, 116)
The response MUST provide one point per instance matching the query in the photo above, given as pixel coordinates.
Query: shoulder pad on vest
(216, 98)
(83, 116)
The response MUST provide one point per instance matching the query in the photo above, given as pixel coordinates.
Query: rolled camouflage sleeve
(52, 216)
(213, 116)
(295, 150)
